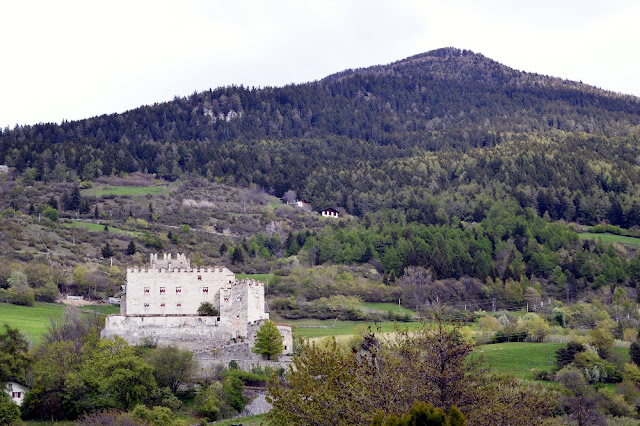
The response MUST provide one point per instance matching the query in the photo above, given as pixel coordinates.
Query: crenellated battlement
(198, 270)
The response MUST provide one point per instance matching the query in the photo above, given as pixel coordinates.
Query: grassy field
(388, 307)
(101, 309)
(312, 327)
(520, 358)
(610, 238)
(96, 227)
(265, 278)
(100, 191)
(33, 322)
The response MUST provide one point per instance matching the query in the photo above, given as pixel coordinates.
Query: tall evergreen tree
(131, 248)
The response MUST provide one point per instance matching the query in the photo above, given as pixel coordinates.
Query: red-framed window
(205, 289)
(147, 290)
(199, 277)
(162, 305)
(163, 290)
(178, 290)
(178, 305)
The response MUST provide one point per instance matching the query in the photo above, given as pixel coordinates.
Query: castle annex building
(160, 304)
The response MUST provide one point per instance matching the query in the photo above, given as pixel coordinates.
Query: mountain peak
(443, 52)
(444, 63)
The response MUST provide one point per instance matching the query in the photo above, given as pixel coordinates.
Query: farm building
(330, 213)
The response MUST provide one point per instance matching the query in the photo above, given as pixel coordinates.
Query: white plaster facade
(161, 303)
(16, 391)
(330, 213)
(173, 287)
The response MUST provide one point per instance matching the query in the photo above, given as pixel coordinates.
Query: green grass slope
(103, 190)
(519, 358)
(610, 238)
(33, 321)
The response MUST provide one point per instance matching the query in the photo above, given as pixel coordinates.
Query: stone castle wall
(175, 291)
(161, 302)
(188, 332)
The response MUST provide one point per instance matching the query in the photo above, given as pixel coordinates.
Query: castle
(160, 305)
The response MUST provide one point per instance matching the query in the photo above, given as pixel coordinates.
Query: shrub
(247, 377)
(206, 309)
(544, 375)
(51, 214)
(232, 393)
(19, 293)
(172, 366)
(9, 410)
(535, 326)
(506, 336)
(165, 398)
(564, 356)
(207, 402)
(108, 418)
(158, 416)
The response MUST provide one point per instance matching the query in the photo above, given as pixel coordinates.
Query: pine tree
(238, 255)
(107, 251)
(634, 352)
(268, 341)
(71, 201)
(131, 249)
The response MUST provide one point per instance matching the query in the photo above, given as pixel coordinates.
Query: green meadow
(101, 191)
(33, 321)
(265, 278)
(389, 307)
(610, 238)
(96, 227)
(322, 328)
(519, 358)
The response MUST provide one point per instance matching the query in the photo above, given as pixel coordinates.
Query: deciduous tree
(172, 366)
(268, 340)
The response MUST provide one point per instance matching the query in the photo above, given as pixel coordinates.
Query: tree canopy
(268, 340)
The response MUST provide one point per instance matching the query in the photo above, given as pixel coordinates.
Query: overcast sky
(76, 59)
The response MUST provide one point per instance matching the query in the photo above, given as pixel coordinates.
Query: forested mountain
(468, 186)
(438, 135)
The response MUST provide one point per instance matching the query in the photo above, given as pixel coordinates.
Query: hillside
(467, 191)
(446, 160)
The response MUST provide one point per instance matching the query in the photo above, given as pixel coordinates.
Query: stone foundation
(187, 332)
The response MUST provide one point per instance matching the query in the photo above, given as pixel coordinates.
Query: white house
(16, 391)
(330, 213)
